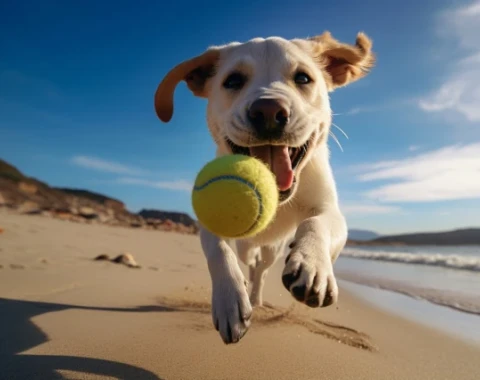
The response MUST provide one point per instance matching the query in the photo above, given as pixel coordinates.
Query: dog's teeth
(292, 152)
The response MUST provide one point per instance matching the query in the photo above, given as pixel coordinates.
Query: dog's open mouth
(281, 159)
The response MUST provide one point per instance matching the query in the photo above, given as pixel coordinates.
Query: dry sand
(65, 316)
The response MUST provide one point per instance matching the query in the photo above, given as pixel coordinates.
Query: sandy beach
(65, 316)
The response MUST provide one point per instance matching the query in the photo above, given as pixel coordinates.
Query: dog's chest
(282, 227)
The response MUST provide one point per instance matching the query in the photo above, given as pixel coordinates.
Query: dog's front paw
(309, 279)
(231, 309)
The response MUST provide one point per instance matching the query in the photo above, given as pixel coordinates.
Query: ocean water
(445, 276)
(459, 325)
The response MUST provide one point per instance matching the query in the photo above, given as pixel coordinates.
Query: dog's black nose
(268, 117)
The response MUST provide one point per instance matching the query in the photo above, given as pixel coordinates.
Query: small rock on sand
(126, 259)
(102, 257)
(1, 230)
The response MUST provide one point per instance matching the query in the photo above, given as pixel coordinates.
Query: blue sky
(76, 100)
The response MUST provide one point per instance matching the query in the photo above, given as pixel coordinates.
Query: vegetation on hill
(10, 172)
(100, 198)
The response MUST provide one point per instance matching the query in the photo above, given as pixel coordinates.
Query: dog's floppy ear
(344, 63)
(194, 72)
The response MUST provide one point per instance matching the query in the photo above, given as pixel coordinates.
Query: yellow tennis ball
(235, 196)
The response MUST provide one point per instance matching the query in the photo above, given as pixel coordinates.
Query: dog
(269, 98)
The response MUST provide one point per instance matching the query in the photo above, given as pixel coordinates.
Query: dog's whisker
(217, 139)
(336, 140)
(237, 119)
(236, 126)
(340, 129)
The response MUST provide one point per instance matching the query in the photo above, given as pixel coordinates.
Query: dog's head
(269, 98)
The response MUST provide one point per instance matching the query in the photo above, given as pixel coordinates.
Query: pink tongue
(278, 160)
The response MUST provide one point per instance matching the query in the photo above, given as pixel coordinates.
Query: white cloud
(366, 209)
(106, 166)
(413, 148)
(136, 176)
(180, 185)
(355, 110)
(461, 24)
(362, 109)
(377, 107)
(450, 173)
(460, 90)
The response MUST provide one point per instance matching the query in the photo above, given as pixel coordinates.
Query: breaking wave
(459, 262)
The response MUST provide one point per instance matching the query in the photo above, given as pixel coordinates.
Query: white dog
(269, 98)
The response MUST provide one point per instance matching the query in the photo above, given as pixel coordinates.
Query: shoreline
(453, 322)
(462, 303)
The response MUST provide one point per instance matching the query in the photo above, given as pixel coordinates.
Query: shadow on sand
(18, 333)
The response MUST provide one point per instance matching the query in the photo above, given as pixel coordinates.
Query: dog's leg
(308, 272)
(268, 257)
(249, 255)
(253, 267)
(231, 309)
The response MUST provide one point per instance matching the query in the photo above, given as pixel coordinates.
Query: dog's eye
(235, 81)
(302, 78)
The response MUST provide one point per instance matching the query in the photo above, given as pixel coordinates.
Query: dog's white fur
(311, 216)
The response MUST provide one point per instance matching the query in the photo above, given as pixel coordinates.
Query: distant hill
(17, 189)
(362, 235)
(100, 198)
(27, 195)
(10, 172)
(112, 203)
(467, 236)
(177, 217)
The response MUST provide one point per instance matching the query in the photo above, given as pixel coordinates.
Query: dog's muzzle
(268, 118)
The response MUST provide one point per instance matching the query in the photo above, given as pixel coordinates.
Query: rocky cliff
(30, 196)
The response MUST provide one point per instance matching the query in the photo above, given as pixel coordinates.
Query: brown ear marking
(194, 72)
(344, 63)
